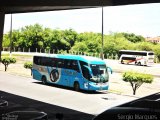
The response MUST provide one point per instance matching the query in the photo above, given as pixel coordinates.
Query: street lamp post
(10, 36)
(102, 56)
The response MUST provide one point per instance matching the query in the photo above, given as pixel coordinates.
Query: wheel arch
(76, 82)
(44, 79)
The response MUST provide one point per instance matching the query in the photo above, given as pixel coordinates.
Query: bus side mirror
(110, 69)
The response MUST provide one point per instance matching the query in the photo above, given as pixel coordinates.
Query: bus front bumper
(96, 86)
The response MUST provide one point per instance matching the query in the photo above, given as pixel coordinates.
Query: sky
(142, 19)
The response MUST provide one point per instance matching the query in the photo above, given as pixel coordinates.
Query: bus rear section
(150, 58)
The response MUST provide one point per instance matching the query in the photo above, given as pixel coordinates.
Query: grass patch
(14, 55)
(21, 58)
(5, 54)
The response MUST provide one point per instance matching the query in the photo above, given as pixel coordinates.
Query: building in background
(153, 39)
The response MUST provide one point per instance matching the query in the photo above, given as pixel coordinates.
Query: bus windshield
(99, 73)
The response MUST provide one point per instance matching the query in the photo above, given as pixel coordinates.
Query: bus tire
(76, 86)
(44, 80)
(122, 62)
(139, 63)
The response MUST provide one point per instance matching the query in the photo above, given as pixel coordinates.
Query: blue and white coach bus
(79, 72)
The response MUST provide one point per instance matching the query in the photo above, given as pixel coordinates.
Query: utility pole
(2, 17)
(10, 36)
(102, 56)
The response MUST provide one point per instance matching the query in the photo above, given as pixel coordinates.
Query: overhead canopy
(21, 6)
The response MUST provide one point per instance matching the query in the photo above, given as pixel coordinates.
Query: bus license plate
(103, 84)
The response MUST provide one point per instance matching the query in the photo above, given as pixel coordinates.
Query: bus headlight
(85, 85)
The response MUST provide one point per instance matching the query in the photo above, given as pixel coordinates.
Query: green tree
(80, 46)
(91, 40)
(31, 35)
(47, 35)
(146, 46)
(7, 60)
(57, 41)
(6, 40)
(70, 36)
(92, 46)
(133, 38)
(16, 37)
(156, 50)
(28, 65)
(115, 42)
(136, 79)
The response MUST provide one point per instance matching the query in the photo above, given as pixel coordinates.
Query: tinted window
(72, 64)
(60, 63)
(132, 53)
(85, 71)
(68, 64)
(36, 60)
(44, 61)
(128, 58)
(53, 62)
(150, 53)
(98, 69)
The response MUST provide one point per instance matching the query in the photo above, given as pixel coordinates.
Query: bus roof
(133, 51)
(88, 59)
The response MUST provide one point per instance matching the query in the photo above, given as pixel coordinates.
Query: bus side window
(71, 64)
(52, 62)
(60, 63)
(85, 71)
(67, 64)
(48, 61)
(75, 66)
(44, 61)
(35, 60)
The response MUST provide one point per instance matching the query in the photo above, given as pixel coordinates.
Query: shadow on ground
(70, 88)
(19, 103)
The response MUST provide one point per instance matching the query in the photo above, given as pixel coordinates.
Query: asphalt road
(120, 68)
(88, 103)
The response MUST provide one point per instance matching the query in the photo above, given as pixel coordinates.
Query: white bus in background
(136, 57)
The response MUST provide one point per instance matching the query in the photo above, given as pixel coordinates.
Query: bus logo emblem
(54, 75)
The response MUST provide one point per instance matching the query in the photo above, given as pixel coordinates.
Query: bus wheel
(122, 62)
(44, 80)
(76, 86)
(139, 63)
